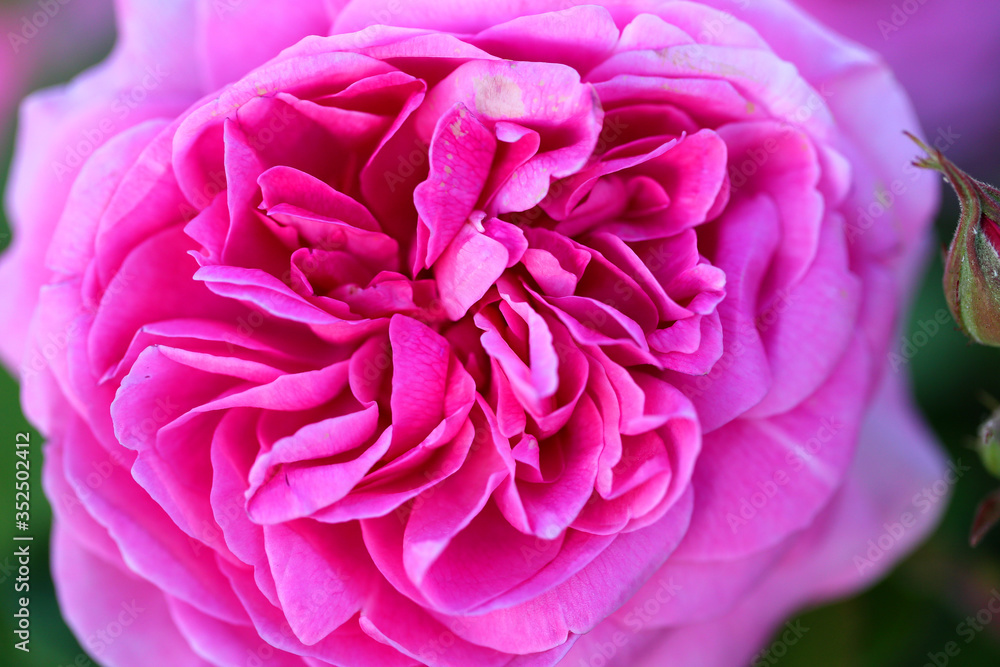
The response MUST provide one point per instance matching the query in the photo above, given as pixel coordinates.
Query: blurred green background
(912, 613)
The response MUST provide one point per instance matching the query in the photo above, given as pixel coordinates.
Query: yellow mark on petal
(498, 97)
(456, 127)
(681, 57)
(751, 107)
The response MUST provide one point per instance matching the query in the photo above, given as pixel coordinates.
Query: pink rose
(467, 335)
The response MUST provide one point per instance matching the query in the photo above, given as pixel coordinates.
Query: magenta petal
(408, 629)
(307, 471)
(509, 91)
(123, 310)
(230, 469)
(70, 516)
(467, 269)
(577, 36)
(539, 378)
(321, 583)
(388, 489)
(612, 577)
(289, 392)
(424, 389)
(551, 507)
(478, 581)
(94, 594)
(510, 236)
(93, 191)
(161, 555)
(52, 122)
(225, 643)
(461, 153)
(693, 172)
(240, 36)
(790, 174)
(797, 460)
(742, 376)
(439, 514)
(261, 289)
(712, 587)
(825, 561)
(284, 185)
(828, 287)
(759, 74)
(346, 643)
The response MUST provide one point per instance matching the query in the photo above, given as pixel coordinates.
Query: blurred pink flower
(40, 39)
(945, 55)
(15, 71)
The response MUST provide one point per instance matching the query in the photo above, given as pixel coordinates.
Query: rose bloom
(468, 333)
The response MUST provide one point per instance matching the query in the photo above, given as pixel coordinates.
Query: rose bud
(988, 444)
(987, 516)
(972, 265)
